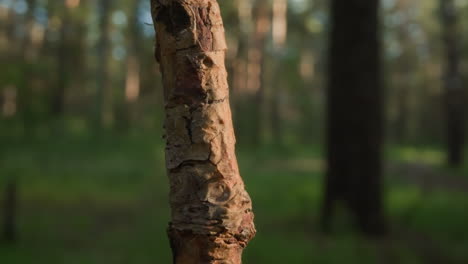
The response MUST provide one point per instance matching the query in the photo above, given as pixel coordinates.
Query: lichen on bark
(212, 218)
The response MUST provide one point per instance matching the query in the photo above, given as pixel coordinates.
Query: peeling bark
(212, 219)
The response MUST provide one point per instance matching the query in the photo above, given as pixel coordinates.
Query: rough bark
(212, 219)
(355, 115)
(455, 94)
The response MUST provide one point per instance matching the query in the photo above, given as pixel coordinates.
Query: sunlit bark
(212, 219)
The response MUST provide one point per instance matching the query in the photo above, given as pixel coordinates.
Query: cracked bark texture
(211, 219)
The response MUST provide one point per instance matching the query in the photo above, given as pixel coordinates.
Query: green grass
(105, 201)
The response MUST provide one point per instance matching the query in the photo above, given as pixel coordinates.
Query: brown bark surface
(212, 219)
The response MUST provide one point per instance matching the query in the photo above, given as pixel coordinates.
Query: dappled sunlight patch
(430, 156)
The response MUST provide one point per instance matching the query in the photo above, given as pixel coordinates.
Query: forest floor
(105, 201)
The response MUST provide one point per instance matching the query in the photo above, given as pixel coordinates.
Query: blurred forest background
(82, 155)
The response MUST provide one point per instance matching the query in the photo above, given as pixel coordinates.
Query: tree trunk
(132, 83)
(212, 219)
(279, 23)
(104, 111)
(403, 88)
(58, 96)
(240, 72)
(256, 66)
(26, 91)
(355, 115)
(455, 102)
(9, 224)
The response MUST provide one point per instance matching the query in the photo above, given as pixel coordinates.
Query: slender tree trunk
(28, 52)
(9, 54)
(279, 22)
(240, 71)
(9, 211)
(355, 115)
(7, 27)
(58, 96)
(256, 66)
(403, 101)
(104, 108)
(455, 102)
(403, 79)
(132, 84)
(212, 219)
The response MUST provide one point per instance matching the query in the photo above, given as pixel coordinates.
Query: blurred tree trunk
(104, 113)
(279, 24)
(276, 107)
(256, 65)
(455, 94)
(58, 96)
(8, 54)
(25, 94)
(402, 91)
(9, 213)
(355, 115)
(212, 219)
(404, 71)
(132, 84)
(7, 27)
(240, 73)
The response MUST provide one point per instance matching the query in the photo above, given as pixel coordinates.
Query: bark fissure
(211, 213)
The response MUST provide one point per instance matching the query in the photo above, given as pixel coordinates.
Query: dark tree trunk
(455, 102)
(10, 206)
(355, 115)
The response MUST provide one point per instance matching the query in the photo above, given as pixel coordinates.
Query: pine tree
(212, 219)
